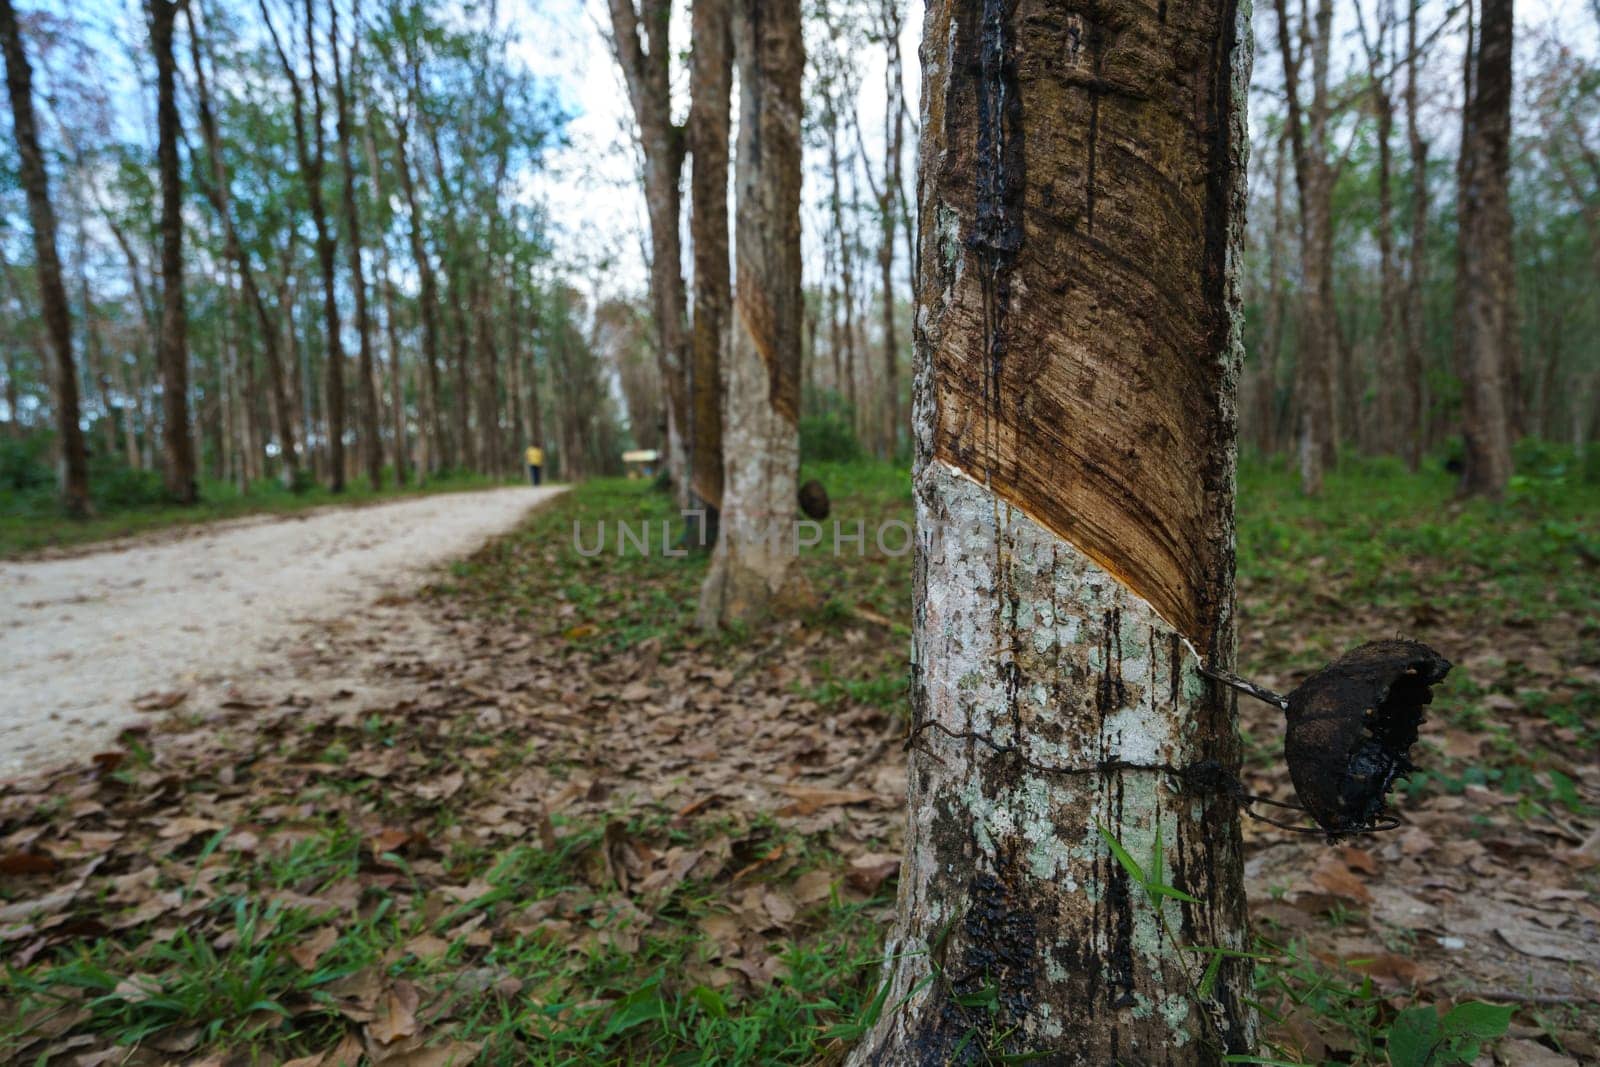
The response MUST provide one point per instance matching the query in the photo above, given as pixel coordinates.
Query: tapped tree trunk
(1489, 350)
(52, 292)
(754, 570)
(711, 88)
(172, 349)
(1078, 350)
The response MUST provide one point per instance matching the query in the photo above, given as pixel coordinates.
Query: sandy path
(81, 637)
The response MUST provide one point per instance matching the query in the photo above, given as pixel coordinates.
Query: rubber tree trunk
(366, 372)
(711, 87)
(1488, 355)
(216, 191)
(172, 348)
(435, 443)
(640, 37)
(1077, 357)
(1411, 311)
(754, 569)
(52, 291)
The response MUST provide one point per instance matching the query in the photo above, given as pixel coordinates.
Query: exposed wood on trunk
(754, 571)
(711, 88)
(74, 469)
(1077, 353)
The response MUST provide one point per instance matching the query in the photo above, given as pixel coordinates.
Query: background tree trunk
(754, 571)
(711, 87)
(173, 349)
(1077, 359)
(1488, 354)
(366, 379)
(640, 39)
(52, 292)
(1411, 310)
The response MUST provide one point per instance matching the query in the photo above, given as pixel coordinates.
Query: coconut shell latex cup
(1351, 727)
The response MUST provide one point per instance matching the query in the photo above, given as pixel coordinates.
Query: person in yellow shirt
(535, 457)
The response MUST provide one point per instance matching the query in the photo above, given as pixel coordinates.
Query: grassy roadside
(31, 522)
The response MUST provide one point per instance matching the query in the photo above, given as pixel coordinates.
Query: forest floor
(529, 816)
(95, 641)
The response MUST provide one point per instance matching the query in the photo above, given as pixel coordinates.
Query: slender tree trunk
(1488, 357)
(1411, 309)
(640, 39)
(847, 300)
(216, 191)
(366, 375)
(1272, 325)
(74, 470)
(397, 406)
(13, 379)
(754, 570)
(711, 88)
(887, 196)
(310, 149)
(1076, 364)
(1390, 393)
(172, 355)
(433, 421)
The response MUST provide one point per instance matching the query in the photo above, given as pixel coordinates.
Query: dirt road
(203, 613)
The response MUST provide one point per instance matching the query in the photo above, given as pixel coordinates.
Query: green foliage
(25, 464)
(1419, 1037)
(828, 438)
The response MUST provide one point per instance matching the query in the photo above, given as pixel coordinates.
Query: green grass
(31, 521)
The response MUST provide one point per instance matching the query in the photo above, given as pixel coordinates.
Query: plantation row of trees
(1420, 263)
(303, 246)
(304, 249)
(1423, 256)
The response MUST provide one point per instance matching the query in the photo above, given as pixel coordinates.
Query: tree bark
(397, 402)
(1272, 325)
(889, 28)
(311, 153)
(74, 470)
(640, 41)
(172, 349)
(1488, 355)
(1314, 180)
(433, 420)
(1411, 309)
(1389, 399)
(366, 375)
(216, 191)
(754, 570)
(1077, 354)
(711, 88)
